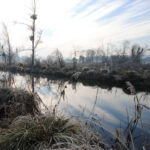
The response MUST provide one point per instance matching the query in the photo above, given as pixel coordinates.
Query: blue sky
(79, 24)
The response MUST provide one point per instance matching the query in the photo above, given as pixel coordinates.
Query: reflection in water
(6, 80)
(113, 109)
(32, 78)
(93, 108)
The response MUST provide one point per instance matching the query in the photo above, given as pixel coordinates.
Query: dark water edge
(104, 81)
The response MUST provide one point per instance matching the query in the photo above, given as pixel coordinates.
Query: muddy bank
(115, 78)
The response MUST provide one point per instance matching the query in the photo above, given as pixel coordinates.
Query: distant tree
(125, 45)
(7, 44)
(28, 61)
(123, 57)
(59, 58)
(49, 60)
(120, 56)
(74, 59)
(99, 54)
(81, 59)
(3, 55)
(90, 54)
(104, 57)
(136, 53)
(119, 59)
(37, 63)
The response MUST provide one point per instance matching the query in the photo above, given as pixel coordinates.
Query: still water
(110, 109)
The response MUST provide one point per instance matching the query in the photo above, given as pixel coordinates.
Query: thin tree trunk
(32, 78)
(7, 39)
(33, 41)
(34, 17)
(9, 55)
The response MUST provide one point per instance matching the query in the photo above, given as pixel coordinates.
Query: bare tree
(34, 41)
(27, 61)
(35, 37)
(75, 54)
(74, 59)
(125, 45)
(59, 58)
(90, 54)
(136, 53)
(7, 43)
(3, 54)
(81, 59)
(99, 53)
(49, 61)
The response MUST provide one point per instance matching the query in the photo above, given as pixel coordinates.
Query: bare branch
(38, 40)
(22, 50)
(29, 26)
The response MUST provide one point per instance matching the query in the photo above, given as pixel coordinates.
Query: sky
(77, 24)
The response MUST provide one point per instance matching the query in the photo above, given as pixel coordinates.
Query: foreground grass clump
(16, 102)
(47, 132)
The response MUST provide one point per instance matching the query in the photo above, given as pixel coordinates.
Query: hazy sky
(78, 24)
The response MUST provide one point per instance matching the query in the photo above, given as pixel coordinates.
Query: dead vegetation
(127, 138)
(45, 132)
(24, 127)
(16, 102)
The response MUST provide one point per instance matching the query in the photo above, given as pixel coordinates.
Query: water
(110, 109)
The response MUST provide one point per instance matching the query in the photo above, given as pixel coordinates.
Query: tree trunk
(33, 41)
(9, 56)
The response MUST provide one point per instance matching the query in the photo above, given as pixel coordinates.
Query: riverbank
(23, 121)
(139, 77)
(23, 126)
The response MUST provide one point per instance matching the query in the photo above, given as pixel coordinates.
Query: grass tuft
(16, 102)
(44, 132)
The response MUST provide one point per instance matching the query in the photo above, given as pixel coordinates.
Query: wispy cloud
(82, 23)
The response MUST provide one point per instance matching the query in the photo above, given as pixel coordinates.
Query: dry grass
(47, 132)
(16, 102)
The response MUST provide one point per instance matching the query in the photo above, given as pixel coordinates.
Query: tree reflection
(7, 80)
(33, 89)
